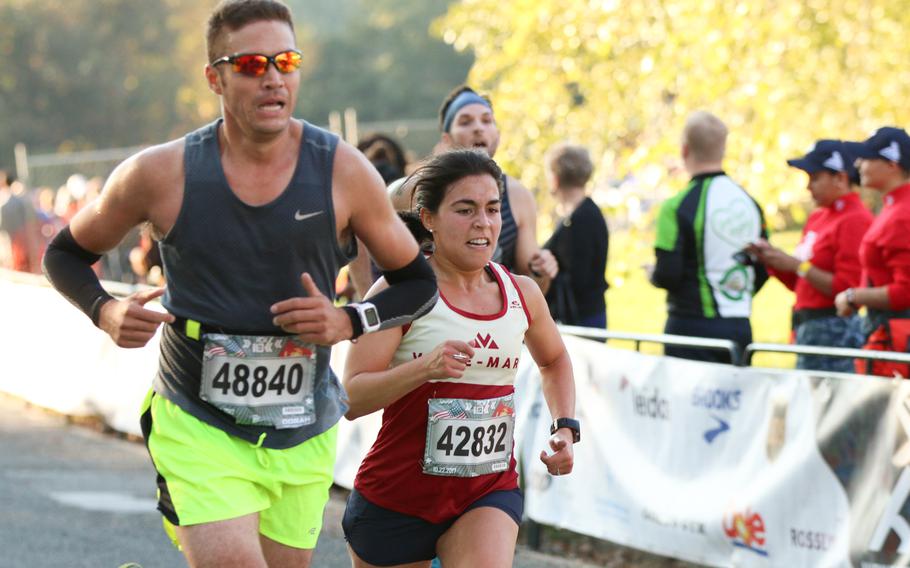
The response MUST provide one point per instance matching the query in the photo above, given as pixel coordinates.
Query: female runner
(440, 478)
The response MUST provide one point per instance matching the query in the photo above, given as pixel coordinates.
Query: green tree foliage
(384, 63)
(85, 74)
(621, 77)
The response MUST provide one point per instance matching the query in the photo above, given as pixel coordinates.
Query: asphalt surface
(71, 496)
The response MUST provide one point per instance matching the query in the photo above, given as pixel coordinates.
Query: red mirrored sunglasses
(256, 64)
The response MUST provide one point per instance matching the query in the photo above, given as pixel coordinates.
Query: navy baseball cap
(888, 143)
(831, 155)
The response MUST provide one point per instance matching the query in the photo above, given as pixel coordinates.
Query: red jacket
(885, 250)
(831, 240)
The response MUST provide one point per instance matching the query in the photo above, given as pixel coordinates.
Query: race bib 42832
(468, 438)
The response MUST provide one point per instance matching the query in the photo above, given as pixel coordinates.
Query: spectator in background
(78, 188)
(826, 261)
(145, 259)
(385, 154)
(65, 205)
(116, 264)
(390, 161)
(884, 166)
(49, 224)
(579, 243)
(701, 236)
(47, 217)
(20, 236)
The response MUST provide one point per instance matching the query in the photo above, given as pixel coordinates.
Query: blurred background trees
(88, 74)
(620, 77)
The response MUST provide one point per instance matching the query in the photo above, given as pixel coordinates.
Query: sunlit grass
(634, 305)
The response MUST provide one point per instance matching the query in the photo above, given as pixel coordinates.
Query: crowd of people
(30, 218)
(256, 213)
(713, 254)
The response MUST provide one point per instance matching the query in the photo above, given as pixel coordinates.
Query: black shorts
(383, 537)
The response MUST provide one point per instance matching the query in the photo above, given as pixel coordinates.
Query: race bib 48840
(260, 380)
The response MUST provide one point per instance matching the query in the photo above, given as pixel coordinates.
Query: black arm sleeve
(668, 269)
(68, 267)
(411, 293)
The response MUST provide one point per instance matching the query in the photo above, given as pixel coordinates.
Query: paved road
(73, 497)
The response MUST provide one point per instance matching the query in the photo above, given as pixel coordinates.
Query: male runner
(256, 212)
(466, 120)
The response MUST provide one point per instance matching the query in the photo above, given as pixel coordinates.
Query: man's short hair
(706, 137)
(450, 98)
(570, 163)
(234, 14)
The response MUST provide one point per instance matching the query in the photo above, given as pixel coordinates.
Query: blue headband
(464, 99)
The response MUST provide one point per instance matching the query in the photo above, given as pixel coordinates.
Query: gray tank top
(508, 236)
(226, 262)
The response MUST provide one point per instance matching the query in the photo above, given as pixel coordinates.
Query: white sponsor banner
(355, 437)
(729, 466)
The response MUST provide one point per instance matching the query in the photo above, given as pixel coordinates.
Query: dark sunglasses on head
(256, 64)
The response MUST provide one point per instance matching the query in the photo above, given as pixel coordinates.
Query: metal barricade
(731, 348)
(841, 352)
(661, 338)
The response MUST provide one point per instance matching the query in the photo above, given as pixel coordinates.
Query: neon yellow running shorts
(206, 475)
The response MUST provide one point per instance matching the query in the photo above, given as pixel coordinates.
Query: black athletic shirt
(227, 262)
(508, 236)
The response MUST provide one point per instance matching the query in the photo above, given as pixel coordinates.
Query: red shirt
(885, 250)
(391, 475)
(831, 240)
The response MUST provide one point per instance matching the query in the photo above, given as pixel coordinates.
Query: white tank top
(497, 339)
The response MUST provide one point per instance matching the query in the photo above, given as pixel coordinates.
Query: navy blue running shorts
(383, 537)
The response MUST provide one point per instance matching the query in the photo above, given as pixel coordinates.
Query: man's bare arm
(360, 271)
(145, 187)
(530, 259)
(135, 192)
(360, 192)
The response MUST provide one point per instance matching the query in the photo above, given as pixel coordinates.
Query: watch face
(372, 316)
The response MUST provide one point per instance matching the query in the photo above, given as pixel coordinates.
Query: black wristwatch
(571, 424)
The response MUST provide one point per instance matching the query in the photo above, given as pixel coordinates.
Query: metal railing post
(841, 352)
(664, 339)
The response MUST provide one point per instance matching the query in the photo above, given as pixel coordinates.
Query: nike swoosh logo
(301, 216)
(722, 427)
